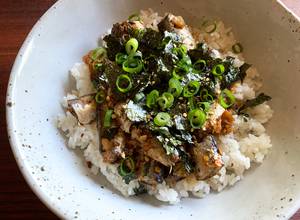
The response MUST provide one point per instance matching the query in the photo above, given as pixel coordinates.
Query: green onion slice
(205, 106)
(197, 118)
(175, 87)
(162, 119)
(178, 73)
(199, 65)
(132, 65)
(191, 103)
(166, 100)
(226, 98)
(237, 48)
(124, 83)
(107, 118)
(209, 26)
(134, 17)
(131, 46)
(127, 166)
(218, 69)
(181, 51)
(97, 66)
(205, 96)
(120, 58)
(100, 97)
(151, 98)
(98, 53)
(185, 63)
(191, 89)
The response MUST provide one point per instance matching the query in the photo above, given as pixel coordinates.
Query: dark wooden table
(17, 201)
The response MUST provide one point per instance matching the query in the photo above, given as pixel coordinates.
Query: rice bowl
(244, 144)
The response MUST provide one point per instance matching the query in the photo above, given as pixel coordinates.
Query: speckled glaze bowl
(39, 79)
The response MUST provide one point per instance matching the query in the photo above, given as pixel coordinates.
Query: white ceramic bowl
(39, 79)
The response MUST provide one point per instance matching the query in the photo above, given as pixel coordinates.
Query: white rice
(248, 143)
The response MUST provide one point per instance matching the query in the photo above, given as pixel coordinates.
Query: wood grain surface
(17, 17)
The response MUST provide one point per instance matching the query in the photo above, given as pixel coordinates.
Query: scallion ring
(134, 17)
(97, 66)
(151, 98)
(127, 166)
(131, 46)
(226, 98)
(181, 51)
(209, 26)
(205, 106)
(175, 87)
(178, 73)
(237, 48)
(218, 70)
(166, 100)
(208, 98)
(197, 118)
(191, 102)
(98, 53)
(162, 119)
(199, 65)
(123, 83)
(120, 58)
(191, 88)
(107, 118)
(132, 65)
(100, 97)
(185, 63)
(205, 96)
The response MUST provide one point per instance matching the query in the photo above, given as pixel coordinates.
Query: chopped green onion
(191, 102)
(131, 46)
(121, 58)
(100, 97)
(98, 53)
(124, 83)
(127, 166)
(205, 106)
(139, 97)
(137, 55)
(197, 118)
(218, 70)
(205, 96)
(208, 98)
(237, 48)
(181, 51)
(178, 73)
(97, 66)
(175, 87)
(138, 33)
(209, 26)
(226, 98)
(200, 65)
(132, 65)
(191, 89)
(185, 63)
(166, 100)
(162, 119)
(134, 17)
(107, 118)
(151, 98)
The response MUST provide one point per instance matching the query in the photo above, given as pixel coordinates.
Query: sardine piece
(83, 108)
(207, 157)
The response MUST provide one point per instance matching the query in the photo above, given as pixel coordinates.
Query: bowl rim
(13, 139)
